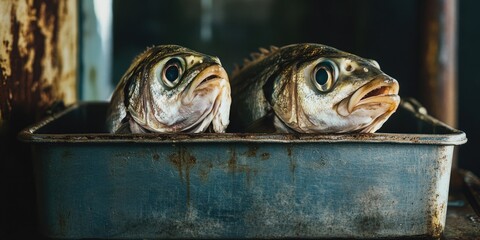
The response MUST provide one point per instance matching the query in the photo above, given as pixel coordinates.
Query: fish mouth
(208, 75)
(380, 93)
(208, 78)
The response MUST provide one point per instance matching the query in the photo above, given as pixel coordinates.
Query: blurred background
(55, 52)
(428, 46)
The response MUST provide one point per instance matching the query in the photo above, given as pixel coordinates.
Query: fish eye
(172, 72)
(324, 75)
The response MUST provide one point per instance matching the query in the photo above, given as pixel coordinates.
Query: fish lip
(202, 79)
(208, 74)
(382, 89)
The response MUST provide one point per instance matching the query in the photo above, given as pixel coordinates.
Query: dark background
(385, 30)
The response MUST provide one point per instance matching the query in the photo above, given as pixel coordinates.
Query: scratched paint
(38, 57)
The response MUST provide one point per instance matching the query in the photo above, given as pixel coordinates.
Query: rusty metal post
(38, 67)
(438, 86)
(38, 55)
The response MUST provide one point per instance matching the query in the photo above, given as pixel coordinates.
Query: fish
(310, 88)
(171, 89)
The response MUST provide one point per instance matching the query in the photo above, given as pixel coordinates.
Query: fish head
(331, 91)
(175, 89)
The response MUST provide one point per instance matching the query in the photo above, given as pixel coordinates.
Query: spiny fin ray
(254, 57)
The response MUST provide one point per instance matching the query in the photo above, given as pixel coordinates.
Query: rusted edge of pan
(453, 137)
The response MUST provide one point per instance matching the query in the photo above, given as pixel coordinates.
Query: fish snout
(382, 90)
(207, 78)
(209, 75)
(212, 73)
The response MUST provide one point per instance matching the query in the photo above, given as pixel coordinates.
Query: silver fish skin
(170, 89)
(311, 88)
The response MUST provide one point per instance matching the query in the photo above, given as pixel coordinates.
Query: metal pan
(92, 184)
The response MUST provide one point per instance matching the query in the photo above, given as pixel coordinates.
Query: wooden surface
(463, 213)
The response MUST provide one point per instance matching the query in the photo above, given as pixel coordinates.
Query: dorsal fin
(255, 57)
(142, 54)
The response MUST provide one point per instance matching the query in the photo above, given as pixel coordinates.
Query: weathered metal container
(92, 184)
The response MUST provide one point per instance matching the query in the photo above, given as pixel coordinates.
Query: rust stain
(235, 167)
(289, 151)
(204, 170)
(436, 226)
(184, 161)
(436, 210)
(362, 136)
(252, 151)
(293, 163)
(37, 59)
(232, 162)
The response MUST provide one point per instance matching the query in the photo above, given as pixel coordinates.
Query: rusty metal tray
(92, 184)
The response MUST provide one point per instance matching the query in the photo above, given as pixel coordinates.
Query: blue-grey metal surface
(97, 185)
